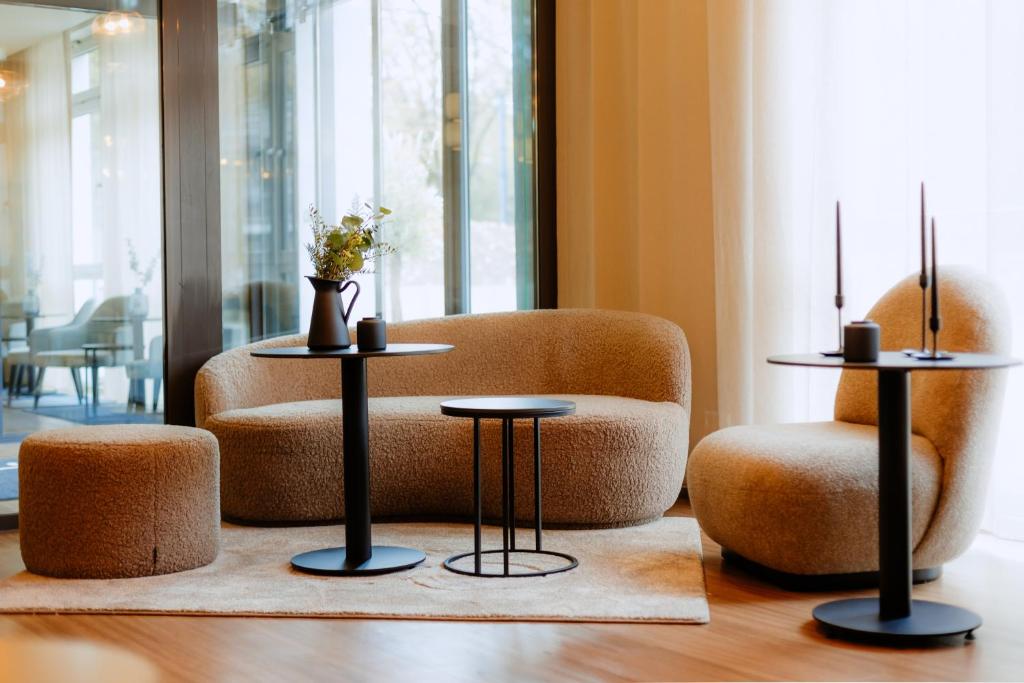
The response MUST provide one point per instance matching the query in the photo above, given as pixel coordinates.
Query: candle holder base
(932, 355)
(913, 352)
(838, 353)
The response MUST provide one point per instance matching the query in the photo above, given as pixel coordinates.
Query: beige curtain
(858, 100)
(634, 196)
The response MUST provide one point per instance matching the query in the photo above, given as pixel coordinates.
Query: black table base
(334, 561)
(570, 563)
(359, 557)
(894, 617)
(508, 409)
(861, 617)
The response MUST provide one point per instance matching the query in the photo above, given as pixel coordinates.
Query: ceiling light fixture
(121, 20)
(10, 81)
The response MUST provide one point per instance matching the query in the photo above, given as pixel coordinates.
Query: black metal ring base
(333, 562)
(573, 563)
(858, 618)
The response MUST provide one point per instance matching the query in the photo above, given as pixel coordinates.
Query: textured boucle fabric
(422, 462)
(804, 498)
(957, 411)
(619, 460)
(118, 501)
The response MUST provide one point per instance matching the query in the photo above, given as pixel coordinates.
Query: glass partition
(80, 222)
(422, 106)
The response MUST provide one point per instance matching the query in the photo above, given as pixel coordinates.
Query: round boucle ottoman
(119, 501)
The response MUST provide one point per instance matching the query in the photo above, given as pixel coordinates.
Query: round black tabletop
(507, 406)
(353, 351)
(897, 360)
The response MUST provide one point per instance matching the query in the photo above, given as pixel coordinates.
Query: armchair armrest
(235, 379)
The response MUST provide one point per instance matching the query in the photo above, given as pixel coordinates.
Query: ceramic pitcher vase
(328, 327)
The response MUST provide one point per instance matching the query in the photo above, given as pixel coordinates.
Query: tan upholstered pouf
(119, 501)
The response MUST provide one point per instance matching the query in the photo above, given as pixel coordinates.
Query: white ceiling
(22, 26)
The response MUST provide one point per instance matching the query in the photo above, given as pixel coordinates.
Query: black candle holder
(838, 352)
(935, 320)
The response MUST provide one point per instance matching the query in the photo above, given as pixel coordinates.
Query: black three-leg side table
(507, 409)
(359, 556)
(894, 617)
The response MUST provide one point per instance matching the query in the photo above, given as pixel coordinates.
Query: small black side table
(93, 364)
(507, 408)
(893, 617)
(359, 557)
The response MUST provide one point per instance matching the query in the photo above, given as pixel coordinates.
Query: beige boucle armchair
(803, 498)
(618, 461)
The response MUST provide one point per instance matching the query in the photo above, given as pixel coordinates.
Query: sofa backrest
(567, 351)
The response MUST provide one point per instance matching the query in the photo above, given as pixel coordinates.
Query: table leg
(359, 556)
(536, 484)
(505, 426)
(894, 616)
(356, 433)
(138, 386)
(30, 323)
(95, 368)
(477, 503)
(895, 562)
(511, 485)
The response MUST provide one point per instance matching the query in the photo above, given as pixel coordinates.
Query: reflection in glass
(80, 225)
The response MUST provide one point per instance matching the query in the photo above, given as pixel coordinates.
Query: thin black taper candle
(839, 274)
(924, 274)
(935, 322)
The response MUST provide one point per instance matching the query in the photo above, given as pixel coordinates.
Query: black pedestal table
(894, 616)
(359, 556)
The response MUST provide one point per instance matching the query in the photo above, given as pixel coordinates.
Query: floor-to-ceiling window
(80, 221)
(423, 106)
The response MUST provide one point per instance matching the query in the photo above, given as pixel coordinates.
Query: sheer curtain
(129, 193)
(43, 166)
(860, 101)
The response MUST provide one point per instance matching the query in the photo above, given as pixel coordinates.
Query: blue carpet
(8, 479)
(103, 415)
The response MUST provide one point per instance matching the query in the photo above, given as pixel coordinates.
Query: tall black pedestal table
(894, 616)
(359, 556)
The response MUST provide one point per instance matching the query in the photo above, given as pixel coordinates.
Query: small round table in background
(93, 364)
(359, 556)
(507, 409)
(893, 616)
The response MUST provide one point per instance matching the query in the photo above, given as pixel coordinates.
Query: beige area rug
(651, 573)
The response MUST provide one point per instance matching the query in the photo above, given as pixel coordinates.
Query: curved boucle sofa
(618, 461)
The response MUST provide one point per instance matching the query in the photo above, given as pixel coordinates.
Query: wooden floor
(756, 632)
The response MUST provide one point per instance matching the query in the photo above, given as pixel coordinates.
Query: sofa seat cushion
(802, 498)
(283, 462)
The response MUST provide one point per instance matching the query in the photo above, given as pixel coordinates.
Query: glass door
(80, 223)
(422, 106)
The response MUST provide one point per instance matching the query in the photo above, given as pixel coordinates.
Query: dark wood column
(192, 282)
(546, 189)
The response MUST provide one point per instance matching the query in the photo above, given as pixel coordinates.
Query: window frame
(191, 184)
